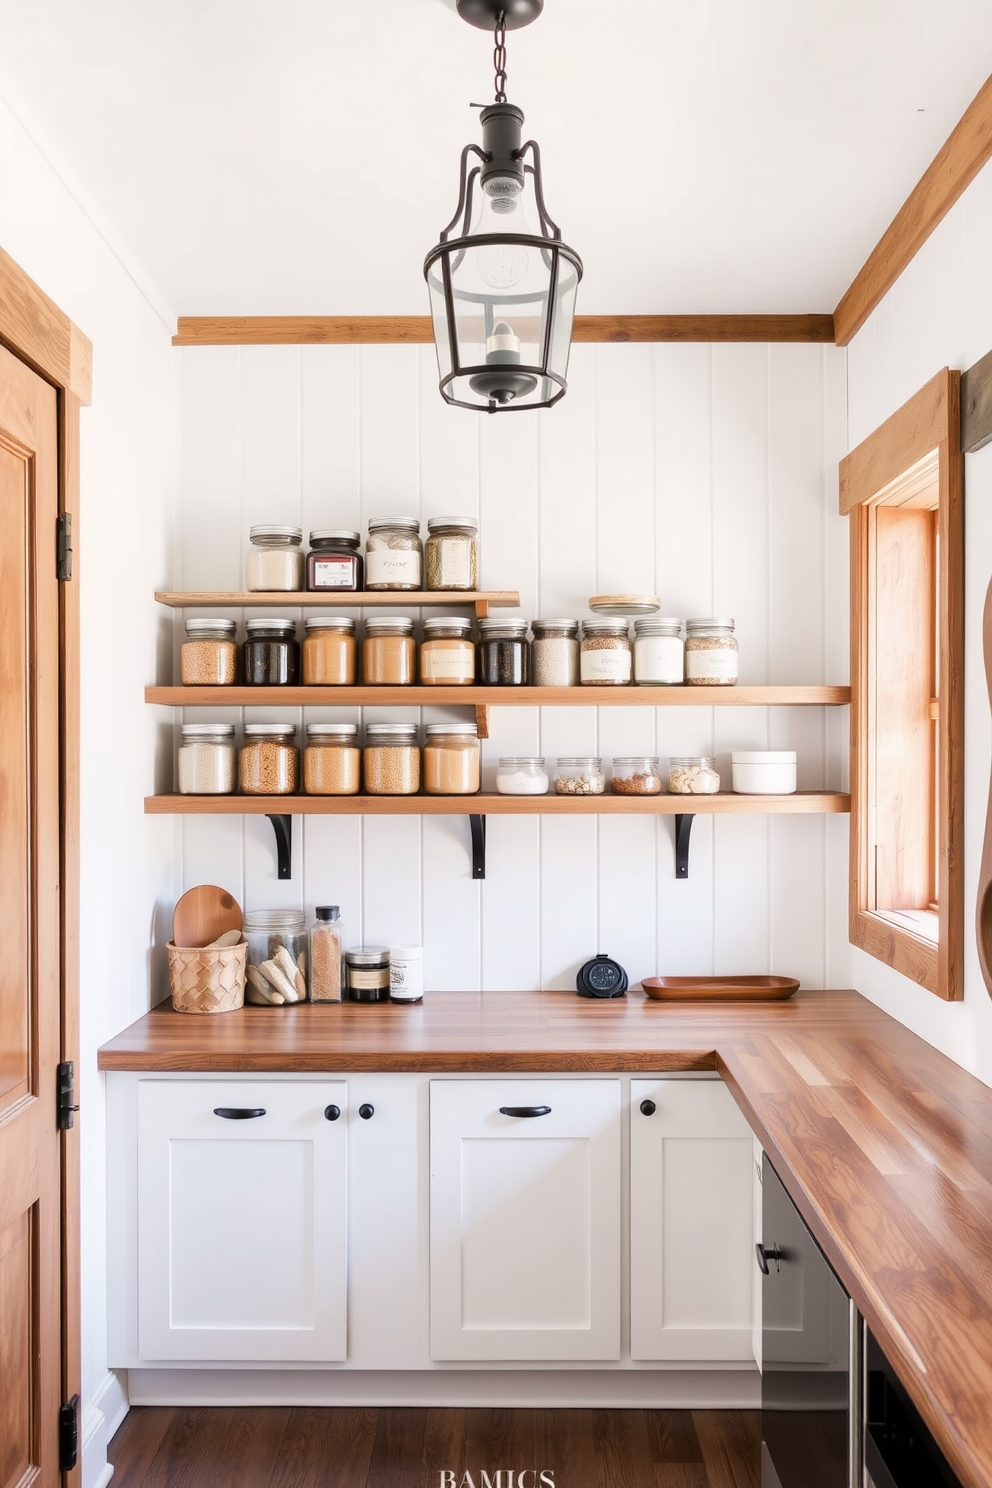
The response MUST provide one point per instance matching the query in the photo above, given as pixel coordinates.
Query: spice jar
(391, 759)
(272, 653)
(393, 553)
(275, 558)
(334, 561)
(605, 659)
(452, 759)
(270, 761)
(636, 775)
(209, 655)
(579, 775)
(332, 760)
(327, 955)
(693, 775)
(659, 655)
(447, 653)
(277, 956)
(389, 654)
(206, 759)
(367, 973)
(525, 776)
(329, 651)
(451, 553)
(503, 653)
(406, 974)
(555, 653)
(711, 658)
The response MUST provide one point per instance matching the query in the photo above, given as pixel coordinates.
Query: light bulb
(502, 382)
(502, 341)
(503, 265)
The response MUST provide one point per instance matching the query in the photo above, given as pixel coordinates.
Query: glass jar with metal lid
(605, 658)
(579, 775)
(206, 759)
(522, 775)
(711, 653)
(270, 761)
(554, 653)
(659, 654)
(209, 655)
(636, 775)
(447, 653)
(329, 651)
(334, 561)
(332, 760)
(503, 653)
(367, 973)
(389, 653)
(275, 558)
(394, 553)
(277, 956)
(451, 553)
(391, 759)
(272, 653)
(452, 759)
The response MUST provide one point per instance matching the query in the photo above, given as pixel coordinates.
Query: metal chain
(499, 57)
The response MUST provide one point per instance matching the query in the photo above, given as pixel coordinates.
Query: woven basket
(207, 981)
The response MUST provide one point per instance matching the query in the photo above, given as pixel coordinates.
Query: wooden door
(30, 973)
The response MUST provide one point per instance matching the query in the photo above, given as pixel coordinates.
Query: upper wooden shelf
(481, 600)
(725, 803)
(417, 697)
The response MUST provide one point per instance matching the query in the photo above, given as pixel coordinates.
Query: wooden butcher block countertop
(885, 1145)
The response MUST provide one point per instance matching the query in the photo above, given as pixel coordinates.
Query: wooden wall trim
(34, 328)
(976, 405)
(906, 438)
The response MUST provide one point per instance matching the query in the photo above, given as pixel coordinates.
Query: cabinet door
(691, 1225)
(525, 1220)
(241, 1222)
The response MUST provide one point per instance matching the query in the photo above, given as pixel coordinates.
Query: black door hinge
(66, 1095)
(63, 546)
(69, 1434)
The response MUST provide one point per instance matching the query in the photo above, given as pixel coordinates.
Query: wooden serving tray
(720, 989)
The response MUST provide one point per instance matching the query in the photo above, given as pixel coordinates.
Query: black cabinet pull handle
(525, 1110)
(648, 1108)
(331, 1113)
(366, 1112)
(764, 1256)
(239, 1113)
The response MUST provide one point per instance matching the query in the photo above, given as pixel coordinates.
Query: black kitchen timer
(601, 977)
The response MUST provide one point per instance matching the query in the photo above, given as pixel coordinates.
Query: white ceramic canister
(764, 772)
(406, 974)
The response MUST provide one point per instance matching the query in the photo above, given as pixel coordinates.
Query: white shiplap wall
(704, 474)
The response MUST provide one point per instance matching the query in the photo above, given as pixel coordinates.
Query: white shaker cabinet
(691, 1225)
(525, 1219)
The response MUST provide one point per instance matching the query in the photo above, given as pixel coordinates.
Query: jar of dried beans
(332, 760)
(452, 759)
(393, 553)
(272, 653)
(636, 775)
(711, 658)
(329, 651)
(391, 759)
(659, 655)
(275, 558)
(209, 655)
(605, 658)
(447, 653)
(451, 553)
(270, 761)
(206, 759)
(579, 775)
(334, 561)
(389, 654)
(277, 956)
(503, 658)
(555, 653)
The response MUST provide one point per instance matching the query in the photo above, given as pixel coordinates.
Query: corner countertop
(884, 1144)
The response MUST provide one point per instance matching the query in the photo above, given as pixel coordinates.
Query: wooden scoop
(203, 914)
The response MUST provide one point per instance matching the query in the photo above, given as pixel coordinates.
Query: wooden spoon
(203, 914)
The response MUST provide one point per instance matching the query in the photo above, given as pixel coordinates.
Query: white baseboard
(101, 1419)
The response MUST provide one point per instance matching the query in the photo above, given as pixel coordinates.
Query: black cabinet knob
(648, 1108)
(366, 1112)
(331, 1113)
(766, 1254)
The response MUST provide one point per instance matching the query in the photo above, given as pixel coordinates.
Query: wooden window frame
(898, 466)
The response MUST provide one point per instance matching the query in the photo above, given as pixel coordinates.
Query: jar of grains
(206, 759)
(367, 973)
(447, 653)
(524, 776)
(636, 775)
(605, 659)
(503, 656)
(329, 651)
(270, 761)
(693, 775)
(275, 558)
(389, 653)
(334, 561)
(272, 653)
(451, 553)
(391, 759)
(452, 759)
(711, 658)
(579, 775)
(555, 653)
(393, 553)
(659, 655)
(209, 655)
(327, 954)
(277, 956)
(332, 760)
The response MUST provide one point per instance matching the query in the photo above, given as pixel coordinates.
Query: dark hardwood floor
(305, 1447)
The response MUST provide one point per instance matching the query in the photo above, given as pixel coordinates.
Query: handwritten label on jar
(716, 665)
(333, 573)
(388, 566)
(605, 666)
(456, 563)
(457, 666)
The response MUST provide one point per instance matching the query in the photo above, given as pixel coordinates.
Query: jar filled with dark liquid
(503, 653)
(272, 653)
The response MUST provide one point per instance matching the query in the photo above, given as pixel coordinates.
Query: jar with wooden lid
(206, 759)
(329, 651)
(367, 973)
(394, 554)
(332, 760)
(447, 653)
(391, 759)
(659, 653)
(272, 653)
(209, 655)
(711, 653)
(554, 653)
(275, 558)
(334, 562)
(270, 761)
(503, 656)
(605, 658)
(451, 553)
(277, 956)
(389, 652)
(452, 759)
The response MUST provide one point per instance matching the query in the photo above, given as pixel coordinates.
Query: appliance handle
(525, 1110)
(764, 1256)
(239, 1113)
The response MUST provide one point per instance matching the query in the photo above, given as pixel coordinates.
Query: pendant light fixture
(502, 282)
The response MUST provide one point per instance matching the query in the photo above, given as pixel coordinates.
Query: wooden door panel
(16, 1445)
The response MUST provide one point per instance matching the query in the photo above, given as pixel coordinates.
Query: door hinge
(69, 1434)
(63, 546)
(66, 1095)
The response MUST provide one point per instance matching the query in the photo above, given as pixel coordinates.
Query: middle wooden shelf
(488, 804)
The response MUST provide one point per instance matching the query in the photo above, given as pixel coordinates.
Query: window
(903, 490)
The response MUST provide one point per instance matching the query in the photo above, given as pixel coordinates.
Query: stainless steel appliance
(899, 1450)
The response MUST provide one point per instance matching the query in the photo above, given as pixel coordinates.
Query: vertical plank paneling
(329, 473)
(683, 479)
(512, 909)
(210, 469)
(625, 527)
(566, 549)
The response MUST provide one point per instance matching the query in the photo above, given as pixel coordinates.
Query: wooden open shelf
(482, 601)
(520, 697)
(487, 804)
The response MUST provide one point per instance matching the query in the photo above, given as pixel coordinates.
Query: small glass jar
(394, 555)
(206, 759)
(270, 761)
(367, 973)
(389, 652)
(329, 651)
(275, 559)
(209, 655)
(711, 657)
(447, 653)
(277, 956)
(334, 562)
(327, 955)
(522, 776)
(636, 775)
(452, 759)
(451, 553)
(332, 760)
(406, 974)
(659, 654)
(503, 653)
(605, 657)
(391, 759)
(272, 653)
(693, 775)
(555, 653)
(579, 775)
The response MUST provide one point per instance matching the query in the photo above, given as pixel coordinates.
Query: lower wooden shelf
(725, 803)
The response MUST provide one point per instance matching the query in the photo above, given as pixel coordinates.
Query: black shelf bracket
(283, 828)
(683, 826)
(478, 827)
